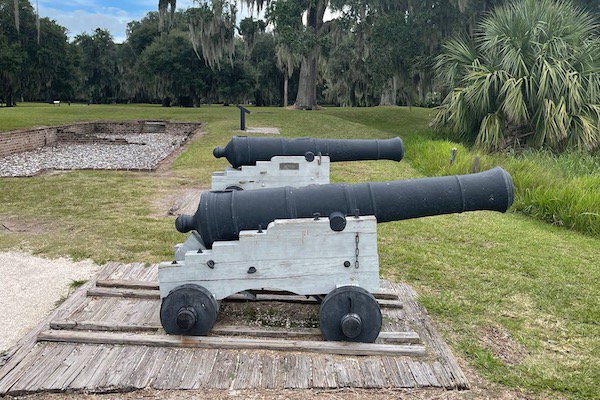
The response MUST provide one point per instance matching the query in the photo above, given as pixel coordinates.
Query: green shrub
(531, 76)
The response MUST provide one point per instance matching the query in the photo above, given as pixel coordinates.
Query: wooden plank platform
(97, 343)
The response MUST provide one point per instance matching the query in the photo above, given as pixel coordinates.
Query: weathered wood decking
(107, 337)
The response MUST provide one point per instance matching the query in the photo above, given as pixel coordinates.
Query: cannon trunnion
(259, 163)
(316, 241)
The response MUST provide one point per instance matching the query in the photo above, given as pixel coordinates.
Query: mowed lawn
(514, 296)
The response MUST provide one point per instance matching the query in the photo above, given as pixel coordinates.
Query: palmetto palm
(531, 76)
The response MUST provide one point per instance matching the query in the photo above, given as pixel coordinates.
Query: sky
(80, 16)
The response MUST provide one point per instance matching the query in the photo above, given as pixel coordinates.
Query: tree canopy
(340, 52)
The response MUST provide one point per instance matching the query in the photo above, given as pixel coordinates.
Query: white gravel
(144, 151)
(30, 286)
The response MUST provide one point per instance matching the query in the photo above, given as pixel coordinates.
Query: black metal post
(243, 112)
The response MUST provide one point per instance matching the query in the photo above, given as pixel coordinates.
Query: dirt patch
(182, 201)
(10, 225)
(499, 341)
(277, 315)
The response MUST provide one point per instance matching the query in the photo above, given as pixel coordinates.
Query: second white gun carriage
(258, 163)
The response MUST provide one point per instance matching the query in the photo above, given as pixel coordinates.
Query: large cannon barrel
(242, 150)
(222, 215)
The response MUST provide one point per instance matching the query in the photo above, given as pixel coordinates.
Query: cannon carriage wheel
(189, 310)
(350, 314)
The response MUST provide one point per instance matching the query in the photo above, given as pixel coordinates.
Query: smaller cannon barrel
(222, 215)
(242, 150)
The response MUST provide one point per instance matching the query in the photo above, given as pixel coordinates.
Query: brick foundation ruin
(142, 145)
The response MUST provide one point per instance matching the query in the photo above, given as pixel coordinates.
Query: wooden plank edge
(154, 295)
(387, 337)
(225, 343)
(431, 337)
(143, 285)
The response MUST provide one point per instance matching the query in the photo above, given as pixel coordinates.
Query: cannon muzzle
(222, 215)
(242, 150)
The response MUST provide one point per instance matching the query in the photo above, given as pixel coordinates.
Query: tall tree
(212, 31)
(301, 28)
(212, 28)
(11, 58)
(99, 65)
(45, 68)
(166, 10)
(287, 62)
(171, 70)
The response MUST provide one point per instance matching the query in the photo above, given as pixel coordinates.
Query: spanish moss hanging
(212, 31)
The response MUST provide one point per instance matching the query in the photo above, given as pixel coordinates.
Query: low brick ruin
(132, 145)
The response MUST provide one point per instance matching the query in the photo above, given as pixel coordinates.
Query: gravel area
(144, 151)
(30, 288)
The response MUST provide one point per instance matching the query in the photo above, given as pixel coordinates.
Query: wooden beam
(224, 330)
(282, 298)
(208, 342)
(128, 284)
(125, 293)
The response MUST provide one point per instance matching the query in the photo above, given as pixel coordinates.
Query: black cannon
(318, 241)
(221, 215)
(242, 150)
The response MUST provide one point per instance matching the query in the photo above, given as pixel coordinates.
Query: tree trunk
(388, 97)
(286, 80)
(17, 19)
(307, 86)
(10, 101)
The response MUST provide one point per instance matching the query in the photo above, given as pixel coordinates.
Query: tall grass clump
(529, 78)
(563, 190)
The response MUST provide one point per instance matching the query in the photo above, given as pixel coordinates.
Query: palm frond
(491, 133)
(535, 66)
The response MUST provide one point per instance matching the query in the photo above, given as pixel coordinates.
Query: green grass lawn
(516, 297)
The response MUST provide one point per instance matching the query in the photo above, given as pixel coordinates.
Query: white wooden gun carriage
(294, 171)
(308, 256)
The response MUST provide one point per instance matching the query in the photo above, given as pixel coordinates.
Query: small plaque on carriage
(289, 166)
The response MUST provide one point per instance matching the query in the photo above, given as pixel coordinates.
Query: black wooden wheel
(350, 314)
(188, 310)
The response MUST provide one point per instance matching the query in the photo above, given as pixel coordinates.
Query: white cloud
(80, 21)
